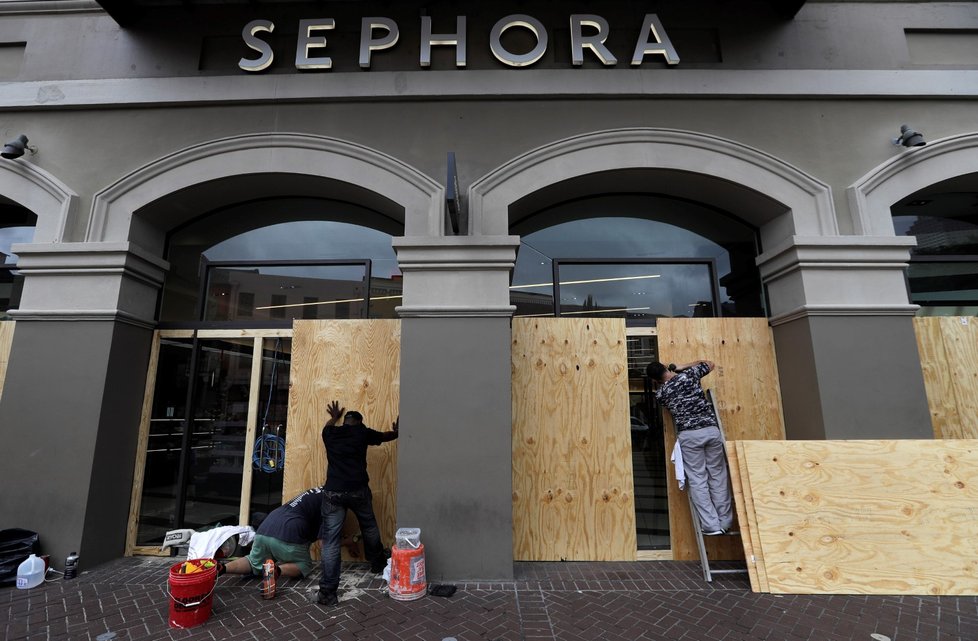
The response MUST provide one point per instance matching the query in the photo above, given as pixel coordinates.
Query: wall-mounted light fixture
(16, 147)
(909, 138)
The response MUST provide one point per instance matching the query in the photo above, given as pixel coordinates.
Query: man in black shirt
(347, 488)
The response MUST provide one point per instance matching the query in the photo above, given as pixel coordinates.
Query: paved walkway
(654, 600)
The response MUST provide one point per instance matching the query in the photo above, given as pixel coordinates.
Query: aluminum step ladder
(708, 572)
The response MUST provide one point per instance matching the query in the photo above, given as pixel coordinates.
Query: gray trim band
(549, 83)
(843, 310)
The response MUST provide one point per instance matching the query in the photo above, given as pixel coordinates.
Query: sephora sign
(588, 35)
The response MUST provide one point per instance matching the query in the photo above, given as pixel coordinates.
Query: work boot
(378, 564)
(326, 598)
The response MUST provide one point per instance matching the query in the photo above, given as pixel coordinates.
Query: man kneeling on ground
(283, 538)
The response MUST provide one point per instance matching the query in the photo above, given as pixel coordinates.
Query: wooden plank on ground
(573, 495)
(6, 341)
(742, 521)
(867, 517)
(356, 362)
(961, 347)
(746, 388)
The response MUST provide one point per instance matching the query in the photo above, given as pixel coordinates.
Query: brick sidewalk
(655, 601)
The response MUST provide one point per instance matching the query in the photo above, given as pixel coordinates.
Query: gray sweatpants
(706, 477)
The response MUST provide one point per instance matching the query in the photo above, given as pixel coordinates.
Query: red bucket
(407, 574)
(191, 595)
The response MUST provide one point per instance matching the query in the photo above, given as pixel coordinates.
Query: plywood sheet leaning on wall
(748, 395)
(356, 362)
(866, 517)
(948, 348)
(572, 466)
(6, 340)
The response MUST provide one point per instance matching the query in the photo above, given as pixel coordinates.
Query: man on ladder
(700, 441)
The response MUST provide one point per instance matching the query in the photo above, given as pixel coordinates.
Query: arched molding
(422, 199)
(44, 195)
(871, 197)
(806, 203)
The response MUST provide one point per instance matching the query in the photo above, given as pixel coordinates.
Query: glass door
(648, 446)
(213, 433)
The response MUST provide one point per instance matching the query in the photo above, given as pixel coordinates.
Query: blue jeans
(335, 505)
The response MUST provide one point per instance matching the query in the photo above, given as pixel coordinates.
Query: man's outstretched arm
(335, 412)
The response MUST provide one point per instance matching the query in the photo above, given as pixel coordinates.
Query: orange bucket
(407, 574)
(191, 595)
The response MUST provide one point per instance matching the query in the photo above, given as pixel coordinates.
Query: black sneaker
(714, 532)
(327, 598)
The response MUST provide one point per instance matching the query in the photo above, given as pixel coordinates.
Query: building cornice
(494, 84)
(20, 7)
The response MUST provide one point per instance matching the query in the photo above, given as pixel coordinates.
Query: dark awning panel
(129, 12)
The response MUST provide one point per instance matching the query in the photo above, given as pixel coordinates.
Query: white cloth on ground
(203, 545)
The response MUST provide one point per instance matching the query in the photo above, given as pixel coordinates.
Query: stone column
(455, 450)
(74, 391)
(847, 353)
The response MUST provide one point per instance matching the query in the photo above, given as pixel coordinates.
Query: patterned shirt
(684, 397)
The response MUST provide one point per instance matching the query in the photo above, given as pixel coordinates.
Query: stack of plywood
(858, 517)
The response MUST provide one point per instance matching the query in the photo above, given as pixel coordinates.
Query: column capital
(89, 281)
(837, 276)
(456, 276)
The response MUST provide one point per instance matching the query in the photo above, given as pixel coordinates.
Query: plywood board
(943, 406)
(746, 388)
(739, 503)
(356, 362)
(573, 495)
(867, 517)
(960, 336)
(6, 340)
(749, 527)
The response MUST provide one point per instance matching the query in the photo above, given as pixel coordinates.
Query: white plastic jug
(408, 538)
(30, 573)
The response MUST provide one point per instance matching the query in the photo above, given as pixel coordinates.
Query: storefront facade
(237, 166)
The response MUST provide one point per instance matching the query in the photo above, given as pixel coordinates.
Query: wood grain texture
(356, 362)
(960, 336)
(749, 527)
(573, 495)
(142, 441)
(937, 376)
(746, 386)
(251, 431)
(867, 517)
(738, 496)
(6, 341)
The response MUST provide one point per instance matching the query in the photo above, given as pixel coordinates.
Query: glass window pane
(268, 459)
(213, 238)
(952, 286)
(285, 292)
(220, 417)
(532, 291)
(638, 292)
(158, 505)
(648, 449)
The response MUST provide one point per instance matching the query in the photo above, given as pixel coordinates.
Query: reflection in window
(16, 226)
(698, 259)
(253, 290)
(943, 272)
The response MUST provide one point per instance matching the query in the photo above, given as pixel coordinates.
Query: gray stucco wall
(851, 377)
(454, 455)
(71, 404)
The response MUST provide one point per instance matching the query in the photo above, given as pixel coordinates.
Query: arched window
(269, 263)
(16, 226)
(943, 272)
(638, 257)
